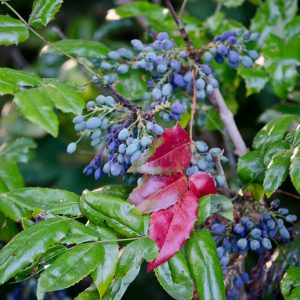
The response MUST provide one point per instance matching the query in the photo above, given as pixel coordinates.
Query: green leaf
(12, 31)
(295, 168)
(174, 276)
(137, 83)
(80, 48)
(256, 189)
(90, 293)
(43, 11)
(38, 109)
(53, 201)
(232, 3)
(18, 150)
(273, 131)
(212, 204)
(273, 149)
(129, 266)
(63, 96)
(107, 204)
(104, 273)
(205, 266)
(69, 268)
(251, 167)
(12, 81)
(10, 176)
(8, 229)
(255, 79)
(281, 59)
(29, 244)
(277, 171)
(290, 284)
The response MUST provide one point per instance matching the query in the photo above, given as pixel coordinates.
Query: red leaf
(170, 228)
(202, 184)
(158, 192)
(168, 154)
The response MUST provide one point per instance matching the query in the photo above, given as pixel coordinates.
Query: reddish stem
(288, 194)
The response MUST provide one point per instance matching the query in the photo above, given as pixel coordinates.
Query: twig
(226, 116)
(288, 194)
(220, 170)
(194, 103)
(181, 28)
(121, 99)
(182, 9)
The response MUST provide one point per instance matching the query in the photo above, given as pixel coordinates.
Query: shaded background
(51, 166)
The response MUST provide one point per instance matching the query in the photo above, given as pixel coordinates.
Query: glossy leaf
(281, 58)
(43, 11)
(129, 266)
(162, 156)
(277, 171)
(108, 205)
(12, 31)
(290, 284)
(212, 204)
(11, 81)
(53, 201)
(205, 266)
(106, 269)
(273, 131)
(170, 228)
(90, 293)
(19, 150)
(273, 149)
(137, 82)
(232, 3)
(8, 229)
(295, 168)
(37, 109)
(158, 192)
(69, 268)
(10, 176)
(80, 48)
(174, 276)
(255, 79)
(251, 167)
(29, 244)
(201, 184)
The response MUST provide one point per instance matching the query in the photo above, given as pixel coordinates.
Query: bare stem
(194, 103)
(226, 116)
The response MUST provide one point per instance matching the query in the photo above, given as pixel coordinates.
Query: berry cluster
(203, 160)
(250, 233)
(124, 140)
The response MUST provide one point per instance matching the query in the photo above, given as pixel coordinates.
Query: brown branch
(288, 194)
(181, 28)
(226, 116)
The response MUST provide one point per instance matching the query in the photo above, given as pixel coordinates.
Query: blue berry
(149, 126)
(220, 180)
(183, 54)
(98, 174)
(114, 55)
(219, 58)
(242, 244)
(135, 156)
(215, 151)
(239, 283)
(239, 228)
(246, 61)
(200, 84)
(100, 99)
(266, 215)
(95, 142)
(255, 233)
(266, 243)
(201, 146)
(222, 50)
(254, 36)
(275, 203)
(284, 233)
(214, 82)
(188, 76)
(123, 134)
(249, 225)
(291, 218)
(96, 134)
(104, 124)
(271, 224)
(115, 169)
(208, 57)
(157, 129)
(90, 104)
(109, 100)
(131, 149)
(80, 126)
(167, 44)
(202, 165)
(71, 148)
(156, 93)
(145, 141)
(280, 223)
(245, 277)
(201, 94)
(105, 65)
(209, 89)
(93, 123)
(106, 167)
(162, 68)
(206, 69)
(122, 148)
(123, 69)
(110, 78)
(253, 54)
(244, 220)
(218, 228)
(254, 245)
(137, 45)
(192, 170)
(150, 57)
(177, 108)
(233, 56)
(78, 119)
(175, 65)
(167, 89)
(224, 260)
(162, 36)
(283, 211)
(179, 80)
(220, 251)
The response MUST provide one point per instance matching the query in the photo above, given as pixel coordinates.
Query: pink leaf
(170, 228)
(158, 192)
(168, 154)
